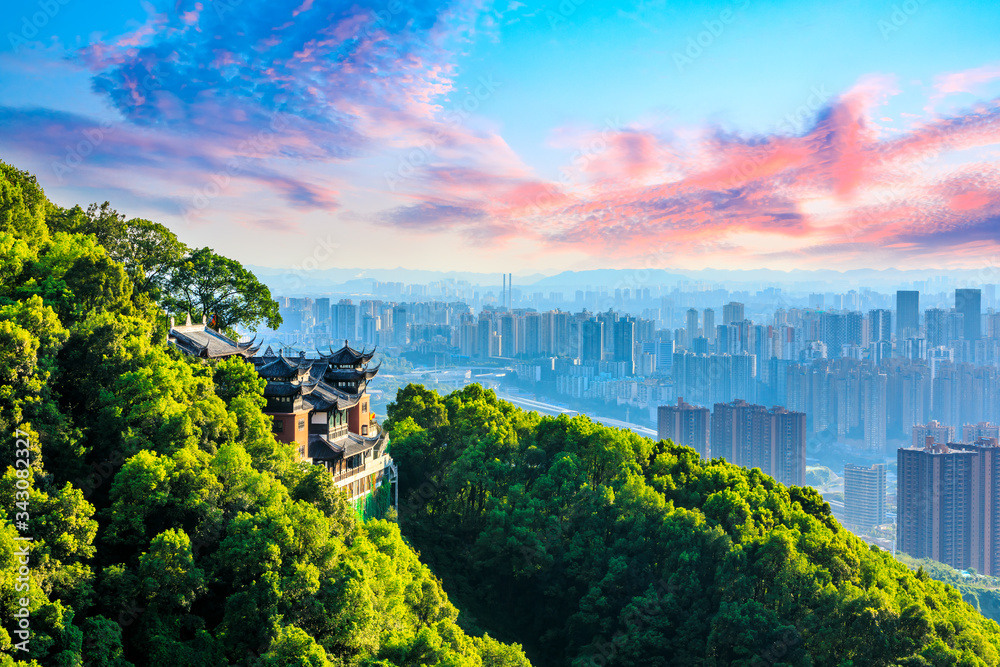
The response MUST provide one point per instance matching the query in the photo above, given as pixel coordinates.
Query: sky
(521, 136)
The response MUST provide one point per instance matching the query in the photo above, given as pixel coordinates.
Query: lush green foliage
(594, 546)
(980, 591)
(221, 290)
(170, 527)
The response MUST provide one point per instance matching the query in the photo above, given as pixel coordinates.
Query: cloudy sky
(521, 136)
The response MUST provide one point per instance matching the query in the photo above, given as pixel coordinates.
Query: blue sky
(526, 136)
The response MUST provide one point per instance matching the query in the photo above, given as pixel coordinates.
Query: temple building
(199, 340)
(321, 406)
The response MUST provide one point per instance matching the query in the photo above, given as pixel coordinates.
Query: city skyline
(851, 362)
(522, 137)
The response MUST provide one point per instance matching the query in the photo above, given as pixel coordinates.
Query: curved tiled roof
(281, 368)
(347, 355)
(351, 374)
(199, 340)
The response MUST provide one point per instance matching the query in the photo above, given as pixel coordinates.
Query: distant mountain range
(359, 281)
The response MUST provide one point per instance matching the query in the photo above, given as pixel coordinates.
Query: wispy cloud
(837, 189)
(322, 104)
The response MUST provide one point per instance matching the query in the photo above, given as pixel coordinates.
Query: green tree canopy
(595, 546)
(220, 290)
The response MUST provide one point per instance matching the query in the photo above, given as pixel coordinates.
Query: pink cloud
(967, 81)
(843, 188)
(304, 7)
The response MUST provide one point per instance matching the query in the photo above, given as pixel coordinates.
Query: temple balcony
(382, 464)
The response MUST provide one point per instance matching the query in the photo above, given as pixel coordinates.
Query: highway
(489, 377)
(555, 410)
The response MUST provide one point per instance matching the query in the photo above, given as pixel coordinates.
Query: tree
(294, 648)
(102, 644)
(99, 283)
(167, 573)
(22, 205)
(220, 290)
(148, 251)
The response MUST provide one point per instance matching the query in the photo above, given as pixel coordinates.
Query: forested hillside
(594, 546)
(980, 591)
(169, 527)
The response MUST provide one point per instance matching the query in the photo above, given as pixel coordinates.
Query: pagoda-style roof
(199, 340)
(277, 389)
(351, 374)
(283, 368)
(348, 356)
(324, 397)
(317, 393)
(322, 448)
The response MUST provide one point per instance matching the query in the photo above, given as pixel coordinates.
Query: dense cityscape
(765, 379)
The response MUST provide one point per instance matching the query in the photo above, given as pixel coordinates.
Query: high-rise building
(708, 324)
(938, 433)
(700, 345)
(369, 330)
(321, 314)
(936, 322)
(686, 425)
(591, 340)
(948, 507)
(345, 320)
(857, 330)
(664, 356)
(732, 312)
(624, 333)
(399, 325)
(532, 334)
(864, 496)
(787, 446)
(735, 427)
(726, 339)
(485, 334)
(873, 390)
(980, 431)
(833, 332)
(467, 340)
(969, 303)
(907, 313)
(880, 324)
(508, 335)
(692, 326)
(755, 437)
(933, 497)
(985, 531)
(742, 377)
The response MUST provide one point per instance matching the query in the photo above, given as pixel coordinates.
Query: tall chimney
(510, 291)
(503, 293)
